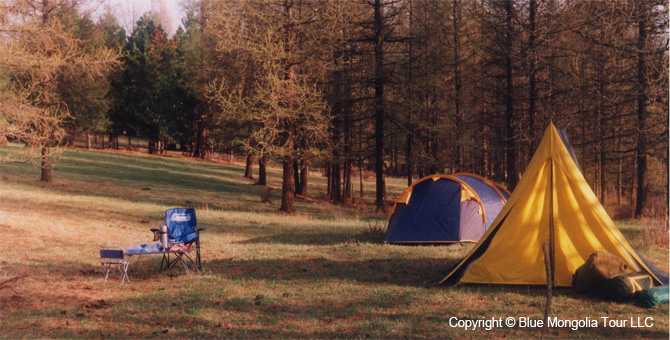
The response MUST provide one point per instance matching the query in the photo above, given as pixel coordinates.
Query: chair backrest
(181, 223)
(111, 253)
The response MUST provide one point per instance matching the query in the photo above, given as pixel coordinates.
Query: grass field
(323, 273)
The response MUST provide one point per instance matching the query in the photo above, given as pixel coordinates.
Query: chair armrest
(155, 230)
(200, 229)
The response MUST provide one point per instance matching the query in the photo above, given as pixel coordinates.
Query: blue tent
(445, 208)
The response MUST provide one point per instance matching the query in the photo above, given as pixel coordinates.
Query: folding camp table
(180, 257)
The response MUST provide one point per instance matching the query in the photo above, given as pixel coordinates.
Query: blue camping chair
(182, 228)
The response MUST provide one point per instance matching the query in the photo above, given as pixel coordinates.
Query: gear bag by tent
(623, 287)
(591, 276)
(653, 297)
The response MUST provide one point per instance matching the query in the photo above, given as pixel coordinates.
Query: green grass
(319, 274)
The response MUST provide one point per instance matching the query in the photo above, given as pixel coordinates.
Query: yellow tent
(554, 204)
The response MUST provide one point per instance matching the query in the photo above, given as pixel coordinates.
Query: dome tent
(445, 209)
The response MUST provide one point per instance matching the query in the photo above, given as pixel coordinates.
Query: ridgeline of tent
(445, 209)
(552, 203)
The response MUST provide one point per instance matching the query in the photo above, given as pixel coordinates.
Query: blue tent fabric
(181, 223)
(487, 194)
(471, 226)
(428, 206)
(437, 211)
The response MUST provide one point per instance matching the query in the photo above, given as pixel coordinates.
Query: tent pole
(550, 280)
(551, 221)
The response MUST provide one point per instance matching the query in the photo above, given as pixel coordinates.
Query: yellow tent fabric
(552, 202)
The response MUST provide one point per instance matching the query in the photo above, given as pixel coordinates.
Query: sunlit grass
(318, 274)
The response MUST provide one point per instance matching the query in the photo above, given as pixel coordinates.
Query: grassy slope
(321, 274)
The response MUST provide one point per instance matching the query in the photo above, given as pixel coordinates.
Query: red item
(180, 248)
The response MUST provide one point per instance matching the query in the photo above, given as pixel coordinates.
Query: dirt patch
(98, 304)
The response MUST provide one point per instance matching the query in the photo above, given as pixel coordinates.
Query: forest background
(390, 87)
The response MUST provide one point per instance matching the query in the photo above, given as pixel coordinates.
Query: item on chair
(164, 237)
(180, 247)
(114, 256)
(154, 247)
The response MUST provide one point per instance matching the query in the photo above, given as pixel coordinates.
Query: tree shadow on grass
(422, 272)
(267, 315)
(135, 173)
(188, 313)
(315, 237)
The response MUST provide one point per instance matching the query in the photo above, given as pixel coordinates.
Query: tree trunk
(296, 176)
(347, 186)
(46, 165)
(486, 157)
(201, 149)
(619, 178)
(532, 87)
(346, 173)
(304, 172)
(600, 134)
(360, 160)
(410, 101)
(335, 193)
(330, 179)
(88, 139)
(602, 165)
(380, 186)
(248, 169)
(287, 189)
(641, 85)
(262, 175)
(458, 86)
(512, 176)
(433, 136)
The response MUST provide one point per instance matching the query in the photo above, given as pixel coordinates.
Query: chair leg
(193, 263)
(124, 265)
(197, 252)
(166, 261)
(123, 268)
(185, 265)
(109, 267)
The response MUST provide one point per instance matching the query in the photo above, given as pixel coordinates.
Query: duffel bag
(590, 277)
(622, 287)
(653, 297)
